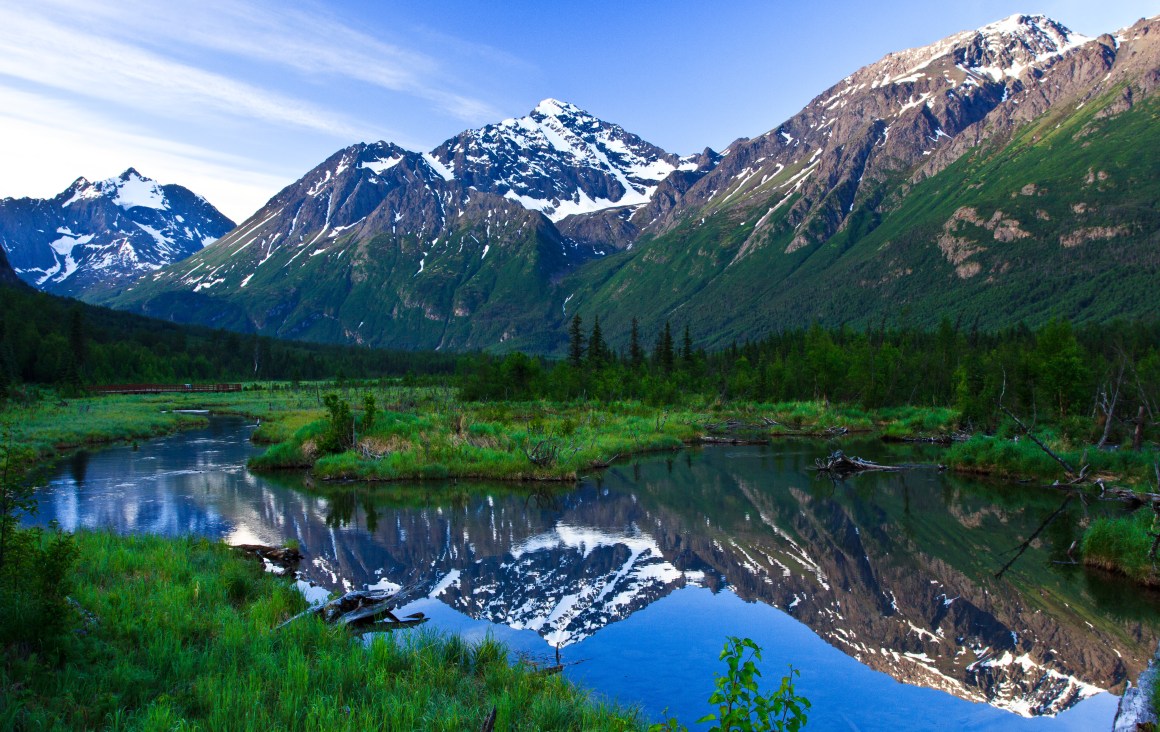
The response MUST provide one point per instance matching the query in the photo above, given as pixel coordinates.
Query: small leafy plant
(740, 705)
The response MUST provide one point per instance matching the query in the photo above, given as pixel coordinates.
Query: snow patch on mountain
(106, 233)
(559, 160)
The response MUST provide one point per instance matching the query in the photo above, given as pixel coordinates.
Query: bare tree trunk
(1110, 409)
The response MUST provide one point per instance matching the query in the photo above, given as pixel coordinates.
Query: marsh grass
(1122, 545)
(185, 638)
(444, 438)
(1018, 457)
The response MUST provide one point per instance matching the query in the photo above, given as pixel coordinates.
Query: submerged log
(839, 464)
(278, 559)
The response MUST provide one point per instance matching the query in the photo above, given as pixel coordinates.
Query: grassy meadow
(183, 634)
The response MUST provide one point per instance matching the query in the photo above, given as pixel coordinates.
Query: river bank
(185, 632)
(422, 433)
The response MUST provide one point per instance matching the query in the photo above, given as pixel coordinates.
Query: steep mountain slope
(376, 245)
(8, 276)
(450, 249)
(560, 160)
(101, 236)
(956, 179)
(1000, 174)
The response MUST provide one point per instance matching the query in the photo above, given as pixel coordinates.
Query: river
(881, 590)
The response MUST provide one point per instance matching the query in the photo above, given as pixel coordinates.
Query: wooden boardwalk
(161, 388)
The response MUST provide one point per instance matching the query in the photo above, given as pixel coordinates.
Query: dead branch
(1037, 441)
(366, 610)
(278, 559)
(840, 465)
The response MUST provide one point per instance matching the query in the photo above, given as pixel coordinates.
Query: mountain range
(97, 236)
(1001, 174)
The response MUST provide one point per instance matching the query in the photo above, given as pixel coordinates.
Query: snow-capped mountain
(560, 160)
(100, 236)
(481, 242)
(865, 186)
(884, 118)
(377, 236)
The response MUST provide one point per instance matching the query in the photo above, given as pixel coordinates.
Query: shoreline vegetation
(183, 633)
(429, 432)
(514, 418)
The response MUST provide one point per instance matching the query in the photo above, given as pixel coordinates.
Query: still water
(881, 590)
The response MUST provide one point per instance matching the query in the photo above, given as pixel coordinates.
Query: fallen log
(366, 611)
(278, 559)
(841, 465)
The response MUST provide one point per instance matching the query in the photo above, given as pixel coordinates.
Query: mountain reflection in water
(895, 570)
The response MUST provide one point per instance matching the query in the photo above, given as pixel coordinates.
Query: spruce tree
(576, 345)
(687, 349)
(597, 349)
(664, 350)
(635, 352)
(78, 342)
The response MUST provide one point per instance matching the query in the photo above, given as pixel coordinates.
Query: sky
(235, 99)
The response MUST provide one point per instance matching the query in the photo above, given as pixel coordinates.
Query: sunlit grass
(186, 637)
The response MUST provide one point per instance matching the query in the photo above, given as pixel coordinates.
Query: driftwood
(840, 465)
(1027, 431)
(941, 439)
(281, 559)
(489, 723)
(366, 611)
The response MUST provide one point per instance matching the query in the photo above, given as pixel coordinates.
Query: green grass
(1009, 457)
(186, 638)
(441, 438)
(51, 426)
(1122, 545)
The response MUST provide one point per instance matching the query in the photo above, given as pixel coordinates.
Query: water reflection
(895, 570)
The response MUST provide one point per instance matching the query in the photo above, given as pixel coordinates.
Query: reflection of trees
(78, 466)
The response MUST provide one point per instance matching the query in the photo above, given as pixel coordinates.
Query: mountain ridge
(95, 236)
(619, 228)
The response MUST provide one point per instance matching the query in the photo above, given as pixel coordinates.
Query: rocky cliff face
(98, 237)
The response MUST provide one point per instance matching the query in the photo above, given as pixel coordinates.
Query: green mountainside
(1059, 219)
(1000, 175)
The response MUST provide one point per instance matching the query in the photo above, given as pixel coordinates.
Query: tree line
(1057, 371)
(51, 340)
(1054, 372)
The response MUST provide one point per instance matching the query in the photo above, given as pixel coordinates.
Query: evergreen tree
(576, 343)
(687, 349)
(635, 352)
(664, 350)
(597, 348)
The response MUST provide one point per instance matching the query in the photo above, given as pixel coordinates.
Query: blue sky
(237, 98)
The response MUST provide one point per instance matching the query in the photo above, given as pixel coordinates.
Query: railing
(161, 388)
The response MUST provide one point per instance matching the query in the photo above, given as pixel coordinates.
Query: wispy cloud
(308, 42)
(40, 51)
(197, 92)
(48, 142)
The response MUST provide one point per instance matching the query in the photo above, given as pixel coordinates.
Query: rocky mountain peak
(559, 160)
(101, 235)
(555, 108)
